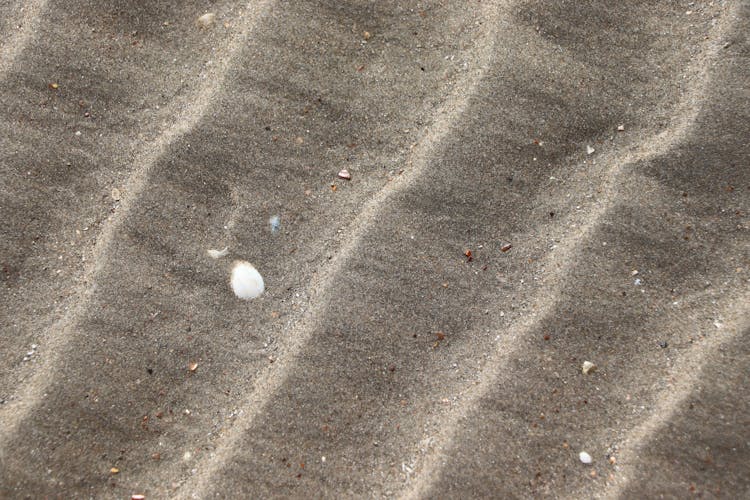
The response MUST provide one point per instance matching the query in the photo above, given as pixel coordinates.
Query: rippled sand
(533, 185)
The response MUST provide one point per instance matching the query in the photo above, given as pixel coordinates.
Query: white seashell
(585, 458)
(246, 281)
(216, 254)
(344, 174)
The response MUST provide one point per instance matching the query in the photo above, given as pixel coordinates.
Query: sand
(533, 185)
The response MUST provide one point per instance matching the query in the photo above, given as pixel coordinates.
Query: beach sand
(533, 185)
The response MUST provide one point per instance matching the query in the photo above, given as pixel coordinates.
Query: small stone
(114, 470)
(588, 367)
(663, 344)
(589, 150)
(193, 366)
(137, 497)
(344, 174)
(366, 35)
(585, 458)
(53, 86)
(115, 194)
(506, 247)
(78, 133)
(621, 128)
(634, 272)
(206, 20)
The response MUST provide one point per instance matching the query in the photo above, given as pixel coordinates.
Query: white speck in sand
(246, 281)
(216, 254)
(585, 458)
(589, 150)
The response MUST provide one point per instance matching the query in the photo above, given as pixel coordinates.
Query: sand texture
(533, 185)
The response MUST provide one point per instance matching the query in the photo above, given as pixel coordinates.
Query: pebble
(505, 248)
(621, 128)
(115, 194)
(589, 150)
(206, 20)
(585, 458)
(344, 174)
(246, 281)
(588, 367)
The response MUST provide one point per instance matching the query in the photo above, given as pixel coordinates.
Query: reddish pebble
(505, 248)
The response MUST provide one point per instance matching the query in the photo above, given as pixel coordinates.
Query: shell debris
(217, 254)
(588, 367)
(206, 20)
(275, 223)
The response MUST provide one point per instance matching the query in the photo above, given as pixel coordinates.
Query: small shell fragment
(246, 281)
(344, 174)
(216, 254)
(621, 128)
(192, 366)
(275, 223)
(588, 367)
(137, 497)
(589, 150)
(585, 458)
(115, 194)
(206, 20)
